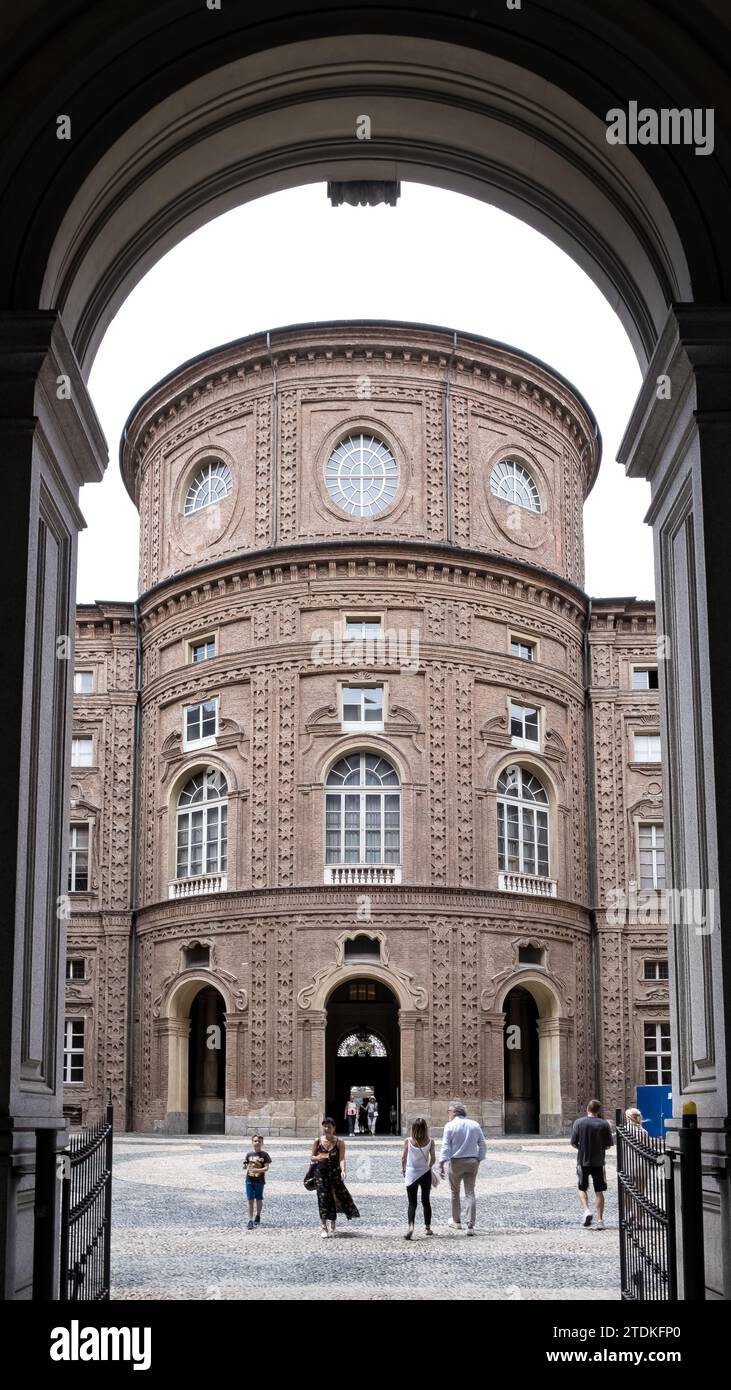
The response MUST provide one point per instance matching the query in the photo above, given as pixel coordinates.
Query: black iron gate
(86, 1209)
(646, 1216)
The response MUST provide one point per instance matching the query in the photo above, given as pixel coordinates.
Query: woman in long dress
(328, 1154)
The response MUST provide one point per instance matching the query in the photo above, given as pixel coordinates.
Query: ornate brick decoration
(262, 907)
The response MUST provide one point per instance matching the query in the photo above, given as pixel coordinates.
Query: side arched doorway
(192, 1036)
(536, 1084)
(362, 1049)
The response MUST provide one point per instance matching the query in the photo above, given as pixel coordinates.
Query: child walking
(256, 1165)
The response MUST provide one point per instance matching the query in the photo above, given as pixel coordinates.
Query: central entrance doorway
(522, 1088)
(363, 1051)
(207, 1064)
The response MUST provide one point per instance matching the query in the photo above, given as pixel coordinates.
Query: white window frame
(360, 793)
(205, 741)
(516, 639)
(213, 821)
(71, 1049)
(75, 741)
(204, 473)
(206, 640)
(362, 725)
(657, 1051)
(645, 666)
(74, 851)
(362, 620)
(638, 757)
(522, 740)
(658, 881)
(530, 817)
(78, 688)
(75, 960)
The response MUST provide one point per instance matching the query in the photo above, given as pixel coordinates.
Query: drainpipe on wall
(591, 851)
(448, 443)
(135, 875)
(275, 439)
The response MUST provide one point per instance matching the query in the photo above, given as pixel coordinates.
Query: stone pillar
(493, 1071)
(236, 1101)
(318, 1025)
(549, 1065)
(679, 437)
(408, 1019)
(172, 1035)
(51, 443)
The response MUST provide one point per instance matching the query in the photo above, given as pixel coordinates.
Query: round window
(362, 475)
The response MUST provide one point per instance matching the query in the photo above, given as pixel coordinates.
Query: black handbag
(309, 1178)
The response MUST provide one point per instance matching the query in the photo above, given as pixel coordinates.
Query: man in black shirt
(592, 1136)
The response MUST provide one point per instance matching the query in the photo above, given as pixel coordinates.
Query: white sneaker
(324, 1233)
(587, 1218)
(599, 1226)
(456, 1224)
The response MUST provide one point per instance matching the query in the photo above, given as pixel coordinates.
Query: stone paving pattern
(179, 1227)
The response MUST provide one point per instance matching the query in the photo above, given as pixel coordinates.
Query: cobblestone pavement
(179, 1227)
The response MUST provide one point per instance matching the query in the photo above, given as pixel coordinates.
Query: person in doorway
(372, 1114)
(328, 1154)
(363, 1116)
(463, 1148)
(256, 1166)
(418, 1157)
(592, 1136)
(351, 1115)
(393, 1118)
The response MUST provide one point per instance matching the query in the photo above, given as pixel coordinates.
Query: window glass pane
(373, 705)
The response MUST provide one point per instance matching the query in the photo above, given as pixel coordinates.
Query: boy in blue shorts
(256, 1165)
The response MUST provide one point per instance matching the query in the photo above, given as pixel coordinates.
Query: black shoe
(250, 1226)
(257, 1221)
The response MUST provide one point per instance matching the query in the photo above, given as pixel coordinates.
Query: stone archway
(192, 1060)
(547, 1088)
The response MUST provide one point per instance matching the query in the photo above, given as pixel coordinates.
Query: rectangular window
(644, 678)
(73, 1050)
(79, 859)
(656, 970)
(363, 627)
(652, 856)
(647, 748)
(83, 682)
(363, 828)
(204, 650)
(201, 723)
(523, 725)
(657, 1054)
(525, 650)
(75, 968)
(362, 707)
(82, 752)
(522, 839)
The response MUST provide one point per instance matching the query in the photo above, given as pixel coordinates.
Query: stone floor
(179, 1227)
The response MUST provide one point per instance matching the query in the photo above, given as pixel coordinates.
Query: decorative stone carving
(416, 994)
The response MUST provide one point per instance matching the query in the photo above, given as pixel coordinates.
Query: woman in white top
(417, 1161)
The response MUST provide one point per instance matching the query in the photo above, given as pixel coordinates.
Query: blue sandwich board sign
(656, 1105)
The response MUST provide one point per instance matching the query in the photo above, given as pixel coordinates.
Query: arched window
(362, 1044)
(211, 484)
(513, 483)
(363, 812)
(362, 475)
(522, 823)
(201, 825)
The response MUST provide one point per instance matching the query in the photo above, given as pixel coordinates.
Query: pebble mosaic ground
(179, 1227)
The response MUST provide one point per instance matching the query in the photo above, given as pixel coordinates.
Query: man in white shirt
(463, 1148)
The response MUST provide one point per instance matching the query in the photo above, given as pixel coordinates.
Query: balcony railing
(527, 883)
(377, 875)
(197, 887)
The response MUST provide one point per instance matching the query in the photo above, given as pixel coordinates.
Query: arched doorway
(522, 1088)
(537, 1089)
(207, 1064)
(362, 1049)
(191, 1036)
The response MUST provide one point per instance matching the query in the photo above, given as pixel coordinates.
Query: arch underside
(440, 114)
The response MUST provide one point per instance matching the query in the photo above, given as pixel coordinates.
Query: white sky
(435, 258)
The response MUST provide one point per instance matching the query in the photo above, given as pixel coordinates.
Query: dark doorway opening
(207, 1064)
(358, 1011)
(522, 1077)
